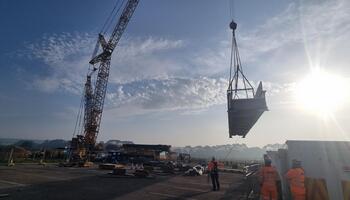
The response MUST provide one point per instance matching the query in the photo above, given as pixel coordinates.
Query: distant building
(146, 150)
(184, 157)
(18, 153)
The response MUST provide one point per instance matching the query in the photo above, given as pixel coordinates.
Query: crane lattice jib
(88, 95)
(117, 33)
(122, 23)
(93, 125)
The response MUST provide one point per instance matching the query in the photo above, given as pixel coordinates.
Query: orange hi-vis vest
(296, 180)
(269, 176)
(213, 166)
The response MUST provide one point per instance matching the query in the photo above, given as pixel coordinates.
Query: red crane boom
(94, 96)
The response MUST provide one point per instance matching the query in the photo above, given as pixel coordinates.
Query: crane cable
(80, 124)
(115, 14)
(231, 7)
(106, 25)
(79, 116)
(231, 78)
(233, 145)
(235, 62)
(109, 17)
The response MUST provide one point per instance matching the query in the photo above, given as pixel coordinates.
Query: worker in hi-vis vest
(296, 180)
(268, 177)
(214, 173)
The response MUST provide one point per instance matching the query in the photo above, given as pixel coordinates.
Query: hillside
(228, 151)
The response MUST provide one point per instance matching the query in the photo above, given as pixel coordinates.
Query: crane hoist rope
(232, 8)
(106, 26)
(78, 120)
(244, 104)
(111, 16)
(114, 16)
(236, 69)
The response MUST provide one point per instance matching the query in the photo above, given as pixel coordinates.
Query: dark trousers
(215, 181)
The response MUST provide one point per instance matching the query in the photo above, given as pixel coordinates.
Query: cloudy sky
(169, 72)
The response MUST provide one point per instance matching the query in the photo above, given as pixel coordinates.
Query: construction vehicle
(83, 143)
(244, 106)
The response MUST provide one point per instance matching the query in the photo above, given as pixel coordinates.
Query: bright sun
(321, 92)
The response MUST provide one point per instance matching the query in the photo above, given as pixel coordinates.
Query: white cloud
(66, 57)
(140, 77)
(142, 74)
(146, 46)
(162, 74)
(170, 94)
(47, 84)
(145, 58)
(302, 22)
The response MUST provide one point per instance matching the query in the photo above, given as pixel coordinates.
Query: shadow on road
(94, 187)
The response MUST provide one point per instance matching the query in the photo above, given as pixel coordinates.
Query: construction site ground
(32, 181)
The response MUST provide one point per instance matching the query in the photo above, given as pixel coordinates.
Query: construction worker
(296, 179)
(214, 174)
(268, 177)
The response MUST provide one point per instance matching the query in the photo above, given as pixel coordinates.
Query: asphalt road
(50, 182)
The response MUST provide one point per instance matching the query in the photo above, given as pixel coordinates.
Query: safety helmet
(267, 160)
(296, 163)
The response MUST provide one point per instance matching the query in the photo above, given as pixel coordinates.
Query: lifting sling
(244, 105)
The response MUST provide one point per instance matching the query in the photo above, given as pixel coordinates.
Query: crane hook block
(233, 25)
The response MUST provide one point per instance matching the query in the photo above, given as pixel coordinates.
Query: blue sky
(169, 73)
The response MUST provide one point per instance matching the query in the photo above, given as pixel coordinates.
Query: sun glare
(321, 92)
